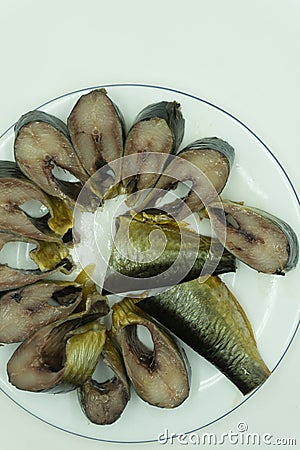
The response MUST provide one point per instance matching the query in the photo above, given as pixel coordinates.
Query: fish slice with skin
(157, 129)
(48, 256)
(176, 254)
(104, 402)
(160, 377)
(42, 143)
(25, 310)
(208, 318)
(205, 164)
(15, 191)
(259, 239)
(62, 355)
(97, 129)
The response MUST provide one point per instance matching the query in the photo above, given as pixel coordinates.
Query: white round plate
(271, 302)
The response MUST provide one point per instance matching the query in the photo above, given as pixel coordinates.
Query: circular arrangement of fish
(165, 270)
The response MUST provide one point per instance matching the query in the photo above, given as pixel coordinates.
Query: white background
(240, 55)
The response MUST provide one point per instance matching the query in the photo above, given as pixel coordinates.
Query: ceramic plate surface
(271, 302)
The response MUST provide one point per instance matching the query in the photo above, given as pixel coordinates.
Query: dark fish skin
(256, 237)
(205, 164)
(208, 318)
(103, 403)
(170, 113)
(127, 254)
(158, 128)
(213, 143)
(42, 141)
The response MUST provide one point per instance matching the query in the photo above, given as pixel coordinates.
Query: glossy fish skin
(259, 239)
(213, 143)
(25, 310)
(97, 129)
(42, 142)
(168, 111)
(206, 164)
(159, 128)
(208, 318)
(49, 257)
(15, 190)
(160, 376)
(103, 403)
(128, 253)
(62, 355)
